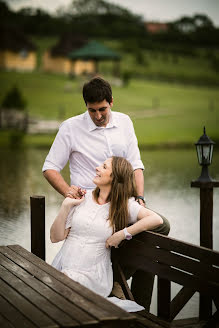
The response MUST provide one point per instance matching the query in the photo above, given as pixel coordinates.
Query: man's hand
(115, 239)
(75, 192)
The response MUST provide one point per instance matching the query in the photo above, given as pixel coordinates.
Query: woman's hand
(115, 239)
(70, 202)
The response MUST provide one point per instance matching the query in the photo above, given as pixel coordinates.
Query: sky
(151, 10)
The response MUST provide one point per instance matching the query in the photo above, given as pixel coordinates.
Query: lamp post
(204, 147)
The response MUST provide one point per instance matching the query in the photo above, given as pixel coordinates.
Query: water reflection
(12, 174)
(167, 189)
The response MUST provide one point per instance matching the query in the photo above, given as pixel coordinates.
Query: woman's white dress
(84, 256)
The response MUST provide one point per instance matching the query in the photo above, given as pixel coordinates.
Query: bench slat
(200, 269)
(177, 276)
(200, 253)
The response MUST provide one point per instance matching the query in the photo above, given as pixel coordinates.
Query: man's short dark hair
(97, 90)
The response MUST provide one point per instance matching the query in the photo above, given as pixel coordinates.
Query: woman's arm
(147, 220)
(57, 230)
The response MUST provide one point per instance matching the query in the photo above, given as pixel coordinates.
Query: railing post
(163, 298)
(37, 214)
(206, 240)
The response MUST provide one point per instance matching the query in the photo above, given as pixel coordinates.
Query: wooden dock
(34, 294)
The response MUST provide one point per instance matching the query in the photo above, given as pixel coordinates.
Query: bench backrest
(186, 264)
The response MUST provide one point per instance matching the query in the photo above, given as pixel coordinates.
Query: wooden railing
(195, 268)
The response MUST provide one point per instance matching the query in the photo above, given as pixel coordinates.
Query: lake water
(168, 174)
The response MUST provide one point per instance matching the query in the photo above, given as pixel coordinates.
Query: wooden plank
(80, 309)
(61, 304)
(96, 304)
(118, 276)
(187, 323)
(177, 276)
(155, 321)
(36, 298)
(147, 263)
(137, 256)
(4, 323)
(202, 270)
(13, 316)
(180, 300)
(171, 244)
(143, 322)
(25, 307)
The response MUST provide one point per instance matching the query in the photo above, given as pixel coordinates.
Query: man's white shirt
(86, 146)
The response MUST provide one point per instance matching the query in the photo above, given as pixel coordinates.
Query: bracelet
(140, 197)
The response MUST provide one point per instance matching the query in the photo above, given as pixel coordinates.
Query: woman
(98, 221)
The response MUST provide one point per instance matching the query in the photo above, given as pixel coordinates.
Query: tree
(99, 18)
(14, 99)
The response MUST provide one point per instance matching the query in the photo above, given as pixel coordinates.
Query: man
(89, 139)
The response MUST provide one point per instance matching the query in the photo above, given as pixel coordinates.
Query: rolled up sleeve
(60, 150)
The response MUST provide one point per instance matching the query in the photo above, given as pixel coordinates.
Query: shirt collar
(92, 126)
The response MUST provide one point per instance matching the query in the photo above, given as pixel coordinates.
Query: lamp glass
(199, 153)
(206, 154)
(211, 153)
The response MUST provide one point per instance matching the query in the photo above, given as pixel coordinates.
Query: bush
(14, 99)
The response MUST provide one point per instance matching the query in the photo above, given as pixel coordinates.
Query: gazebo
(97, 52)
(56, 59)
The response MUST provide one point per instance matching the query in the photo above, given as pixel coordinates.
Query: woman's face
(104, 174)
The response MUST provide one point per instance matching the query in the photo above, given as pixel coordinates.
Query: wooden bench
(194, 268)
(34, 294)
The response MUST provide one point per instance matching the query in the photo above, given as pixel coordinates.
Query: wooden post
(206, 240)
(163, 298)
(206, 234)
(37, 212)
(206, 216)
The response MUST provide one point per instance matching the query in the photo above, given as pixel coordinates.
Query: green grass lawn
(162, 113)
(166, 66)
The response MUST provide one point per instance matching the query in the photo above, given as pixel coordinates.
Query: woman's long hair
(122, 188)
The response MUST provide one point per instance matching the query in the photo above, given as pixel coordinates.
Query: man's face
(99, 112)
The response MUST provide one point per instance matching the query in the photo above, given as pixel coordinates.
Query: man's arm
(58, 183)
(133, 156)
(139, 181)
